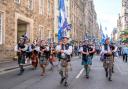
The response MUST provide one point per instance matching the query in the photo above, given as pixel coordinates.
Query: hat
(65, 37)
(21, 37)
(85, 39)
(107, 39)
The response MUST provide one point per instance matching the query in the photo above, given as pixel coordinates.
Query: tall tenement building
(17, 17)
(92, 27)
(83, 19)
(122, 22)
(77, 19)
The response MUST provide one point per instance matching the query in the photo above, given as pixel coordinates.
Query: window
(41, 32)
(1, 27)
(30, 4)
(48, 7)
(41, 7)
(17, 1)
(67, 11)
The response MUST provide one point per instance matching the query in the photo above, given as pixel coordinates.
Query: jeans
(125, 57)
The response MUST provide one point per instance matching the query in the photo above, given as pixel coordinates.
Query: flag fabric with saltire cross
(63, 24)
(103, 38)
(62, 17)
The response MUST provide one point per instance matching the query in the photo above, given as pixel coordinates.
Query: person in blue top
(125, 52)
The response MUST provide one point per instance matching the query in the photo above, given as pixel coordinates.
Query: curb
(12, 68)
(2, 62)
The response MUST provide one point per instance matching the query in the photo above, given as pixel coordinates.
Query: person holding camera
(43, 60)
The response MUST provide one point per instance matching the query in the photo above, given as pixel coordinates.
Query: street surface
(31, 79)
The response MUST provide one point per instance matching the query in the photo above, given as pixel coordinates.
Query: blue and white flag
(103, 38)
(63, 24)
(62, 17)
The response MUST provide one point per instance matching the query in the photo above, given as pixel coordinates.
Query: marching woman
(35, 54)
(43, 60)
(52, 55)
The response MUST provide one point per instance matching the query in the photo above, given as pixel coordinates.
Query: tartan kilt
(86, 60)
(43, 60)
(21, 58)
(108, 63)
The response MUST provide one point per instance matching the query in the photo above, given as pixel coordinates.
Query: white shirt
(69, 51)
(105, 51)
(58, 48)
(24, 49)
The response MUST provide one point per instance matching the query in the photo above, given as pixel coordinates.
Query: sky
(107, 13)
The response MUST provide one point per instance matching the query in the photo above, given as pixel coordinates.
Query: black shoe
(65, 84)
(87, 76)
(109, 79)
(62, 80)
(113, 72)
(20, 73)
(106, 74)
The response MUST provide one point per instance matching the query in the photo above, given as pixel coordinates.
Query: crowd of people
(43, 53)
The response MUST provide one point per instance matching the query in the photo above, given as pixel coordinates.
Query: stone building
(17, 17)
(92, 27)
(83, 18)
(122, 22)
(77, 19)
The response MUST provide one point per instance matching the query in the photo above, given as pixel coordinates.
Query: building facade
(83, 19)
(56, 19)
(17, 17)
(77, 19)
(92, 27)
(122, 21)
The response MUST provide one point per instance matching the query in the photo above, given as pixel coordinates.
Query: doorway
(22, 28)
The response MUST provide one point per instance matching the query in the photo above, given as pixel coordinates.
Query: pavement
(10, 65)
(31, 79)
(7, 66)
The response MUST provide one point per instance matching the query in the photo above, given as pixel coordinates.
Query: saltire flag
(103, 38)
(69, 26)
(63, 24)
(26, 35)
(66, 25)
(62, 17)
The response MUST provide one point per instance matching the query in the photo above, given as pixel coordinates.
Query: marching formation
(44, 53)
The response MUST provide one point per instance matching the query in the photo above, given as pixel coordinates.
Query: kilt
(108, 63)
(86, 60)
(43, 60)
(21, 58)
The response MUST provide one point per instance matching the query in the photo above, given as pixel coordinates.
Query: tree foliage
(124, 35)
